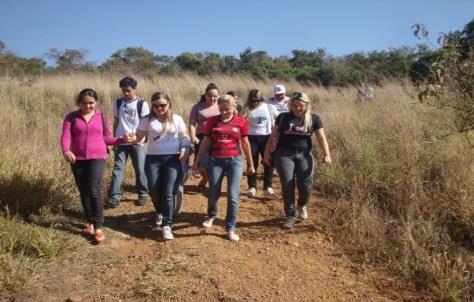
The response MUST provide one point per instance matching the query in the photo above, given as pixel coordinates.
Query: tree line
(307, 66)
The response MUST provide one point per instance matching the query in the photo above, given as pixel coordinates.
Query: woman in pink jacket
(84, 138)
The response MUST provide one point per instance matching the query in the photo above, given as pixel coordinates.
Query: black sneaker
(112, 203)
(141, 201)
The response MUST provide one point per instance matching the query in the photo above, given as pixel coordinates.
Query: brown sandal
(99, 236)
(88, 229)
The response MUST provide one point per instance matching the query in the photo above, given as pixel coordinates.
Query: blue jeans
(137, 154)
(294, 166)
(162, 172)
(232, 167)
(88, 176)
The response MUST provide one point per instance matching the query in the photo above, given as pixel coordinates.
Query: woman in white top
(260, 117)
(168, 144)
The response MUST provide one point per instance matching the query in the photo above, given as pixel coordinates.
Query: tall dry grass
(401, 198)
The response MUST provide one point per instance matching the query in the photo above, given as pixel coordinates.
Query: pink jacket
(87, 140)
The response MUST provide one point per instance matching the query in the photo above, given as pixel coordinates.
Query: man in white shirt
(279, 100)
(128, 111)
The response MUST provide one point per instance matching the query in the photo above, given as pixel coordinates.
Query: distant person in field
(291, 144)
(83, 142)
(225, 137)
(128, 112)
(168, 148)
(234, 94)
(200, 113)
(260, 117)
(279, 99)
(366, 93)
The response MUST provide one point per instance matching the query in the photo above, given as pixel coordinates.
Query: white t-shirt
(161, 142)
(261, 119)
(281, 106)
(128, 116)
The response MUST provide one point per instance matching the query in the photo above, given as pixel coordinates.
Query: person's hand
(195, 140)
(267, 159)
(327, 160)
(130, 137)
(195, 170)
(183, 155)
(69, 157)
(250, 170)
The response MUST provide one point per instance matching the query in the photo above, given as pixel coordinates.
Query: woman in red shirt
(224, 134)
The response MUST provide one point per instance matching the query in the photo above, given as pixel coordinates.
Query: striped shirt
(226, 136)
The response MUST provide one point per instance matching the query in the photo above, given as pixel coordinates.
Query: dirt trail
(268, 264)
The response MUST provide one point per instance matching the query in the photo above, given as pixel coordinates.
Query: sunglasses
(297, 95)
(159, 105)
(257, 100)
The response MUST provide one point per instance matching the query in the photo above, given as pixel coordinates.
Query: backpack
(139, 107)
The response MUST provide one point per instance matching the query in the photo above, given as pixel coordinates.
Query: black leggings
(88, 176)
(257, 146)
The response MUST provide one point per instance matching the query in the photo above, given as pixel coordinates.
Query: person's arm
(66, 142)
(108, 137)
(115, 125)
(271, 145)
(248, 155)
(192, 132)
(193, 117)
(139, 135)
(142, 130)
(206, 143)
(323, 143)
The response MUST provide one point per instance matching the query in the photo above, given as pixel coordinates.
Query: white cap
(278, 89)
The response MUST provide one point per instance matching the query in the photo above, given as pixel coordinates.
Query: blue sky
(31, 27)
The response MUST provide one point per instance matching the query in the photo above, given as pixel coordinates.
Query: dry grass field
(398, 198)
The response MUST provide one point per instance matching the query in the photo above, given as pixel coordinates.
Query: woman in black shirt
(291, 146)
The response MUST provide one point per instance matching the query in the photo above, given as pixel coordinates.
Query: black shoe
(141, 201)
(112, 203)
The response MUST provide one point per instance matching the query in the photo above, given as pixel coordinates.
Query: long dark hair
(249, 104)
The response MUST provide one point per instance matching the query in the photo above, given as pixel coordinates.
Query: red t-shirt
(226, 137)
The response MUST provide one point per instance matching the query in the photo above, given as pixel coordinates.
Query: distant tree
(256, 63)
(450, 81)
(13, 65)
(68, 60)
(135, 59)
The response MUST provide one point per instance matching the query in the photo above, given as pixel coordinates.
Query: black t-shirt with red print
(226, 136)
(293, 134)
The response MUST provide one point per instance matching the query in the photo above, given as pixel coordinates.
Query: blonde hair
(169, 118)
(303, 97)
(227, 99)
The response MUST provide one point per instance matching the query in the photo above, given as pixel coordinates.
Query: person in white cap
(279, 100)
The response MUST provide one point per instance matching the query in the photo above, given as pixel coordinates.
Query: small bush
(28, 185)
(23, 247)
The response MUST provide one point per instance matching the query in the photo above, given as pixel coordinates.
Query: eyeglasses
(256, 100)
(159, 105)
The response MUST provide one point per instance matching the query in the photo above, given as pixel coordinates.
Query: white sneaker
(233, 236)
(208, 223)
(158, 219)
(303, 212)
(166, 233)
(252, 192)
(269, 192)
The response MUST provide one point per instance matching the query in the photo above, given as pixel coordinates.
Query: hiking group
(277, 130)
